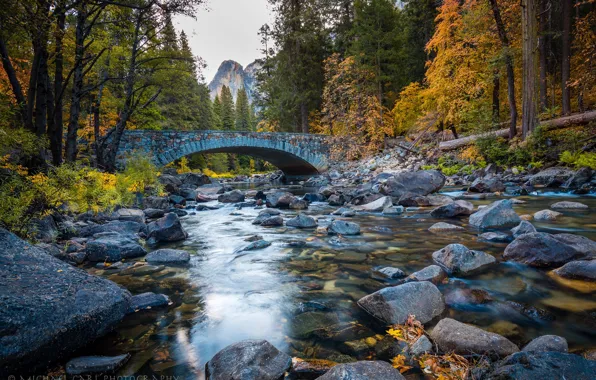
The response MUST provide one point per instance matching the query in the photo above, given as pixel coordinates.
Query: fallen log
(558, 123)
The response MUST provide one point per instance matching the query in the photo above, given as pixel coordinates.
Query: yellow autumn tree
(351, 109)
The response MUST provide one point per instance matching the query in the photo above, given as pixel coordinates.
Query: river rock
(248, 360)
(177, 200)
(171, 183)
(546, 343)
(304, 325)
(453, 336)
(546, 215)
(524, 227)
(542, 365)
(464, 297)
(457, 259)
(394, 304)
(147, 301)
(336, 200)
(340, 227)
(50, 309)
(566, 205)
(194, 180)
(539, 249)
(363, 370)
(298, 204)
(113, 247)
(578, 270)
(432, 273)
(498, 214)
(161, 203)
(554, 176)
(129, 214)
(393, 210)
(280, 199)
(486, 185)
(153, 213)
(165, 229)
(302, 221)
(116, 226)
(376, 206)
(95, 365)
(420, 182)
(257, 244)
(444, 227)
(391, 272)
(273, 221)
(579, 178)
(168, 256)
(314, 197)
(451, 210)
(421, 346)
(494, 237)
(413, 200)
(233, 196)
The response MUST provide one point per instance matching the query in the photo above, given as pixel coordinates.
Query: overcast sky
(226, 30)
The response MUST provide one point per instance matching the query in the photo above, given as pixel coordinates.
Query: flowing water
(286, 293)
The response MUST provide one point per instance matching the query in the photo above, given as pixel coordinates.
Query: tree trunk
(530, 63)
(566, 57)
(15, 84)
(509, 64)
(304, 117)
(55, 133)
(77, 86)
(542, 45)
(496, 101)
(41, 93)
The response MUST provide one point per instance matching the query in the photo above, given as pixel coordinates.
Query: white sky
(227, 29)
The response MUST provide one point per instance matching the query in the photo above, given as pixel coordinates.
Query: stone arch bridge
(296, 154)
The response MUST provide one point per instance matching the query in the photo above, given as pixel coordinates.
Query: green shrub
(579, 159)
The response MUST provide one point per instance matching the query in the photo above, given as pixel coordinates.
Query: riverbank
(330, 283)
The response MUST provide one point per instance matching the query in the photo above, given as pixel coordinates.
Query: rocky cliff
(233, 75)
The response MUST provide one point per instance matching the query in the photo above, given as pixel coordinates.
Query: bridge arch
(295, 154)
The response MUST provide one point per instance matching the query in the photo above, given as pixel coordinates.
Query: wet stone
(306, 324)
(432, 273)
(95, 365)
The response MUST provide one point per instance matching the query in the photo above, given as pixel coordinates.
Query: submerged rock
(578, 270)
(453, 336)
(566, 205)
(542, 365)
(539, 249)
(95, 365)
(395, 303)
(341, 227)
(444, 227)
(248, 359)
(258, 244)
(49, 308)
(168, 256)
(306, 324)
(498, 214)
(457, 259)
(363, 370)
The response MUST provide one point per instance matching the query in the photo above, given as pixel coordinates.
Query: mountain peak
(230, 73)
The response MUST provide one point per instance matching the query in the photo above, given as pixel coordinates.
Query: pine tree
(227, 109)
(217, 120)
(243, 111)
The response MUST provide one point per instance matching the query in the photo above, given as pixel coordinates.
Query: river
(285, 291)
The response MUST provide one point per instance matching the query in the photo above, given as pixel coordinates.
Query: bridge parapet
(295, 153)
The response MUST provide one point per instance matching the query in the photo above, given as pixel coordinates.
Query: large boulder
(453, 209)
(457, 259)
(302, 221)
(376, 206)
(395, 303)
(542, 365)
(194, 180)
(166, 229)
(540, 249)
(113, 247)
(50, 309)
(552, 177)
(578, 270)
(233, 196)
(420, 183)
(363, 370)
(168, 256)
(171, 183)
(486, 185)
(453, 336)
(280, 199)
(580, 177)
(498, 214)
(248, 360)
(340, 227)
